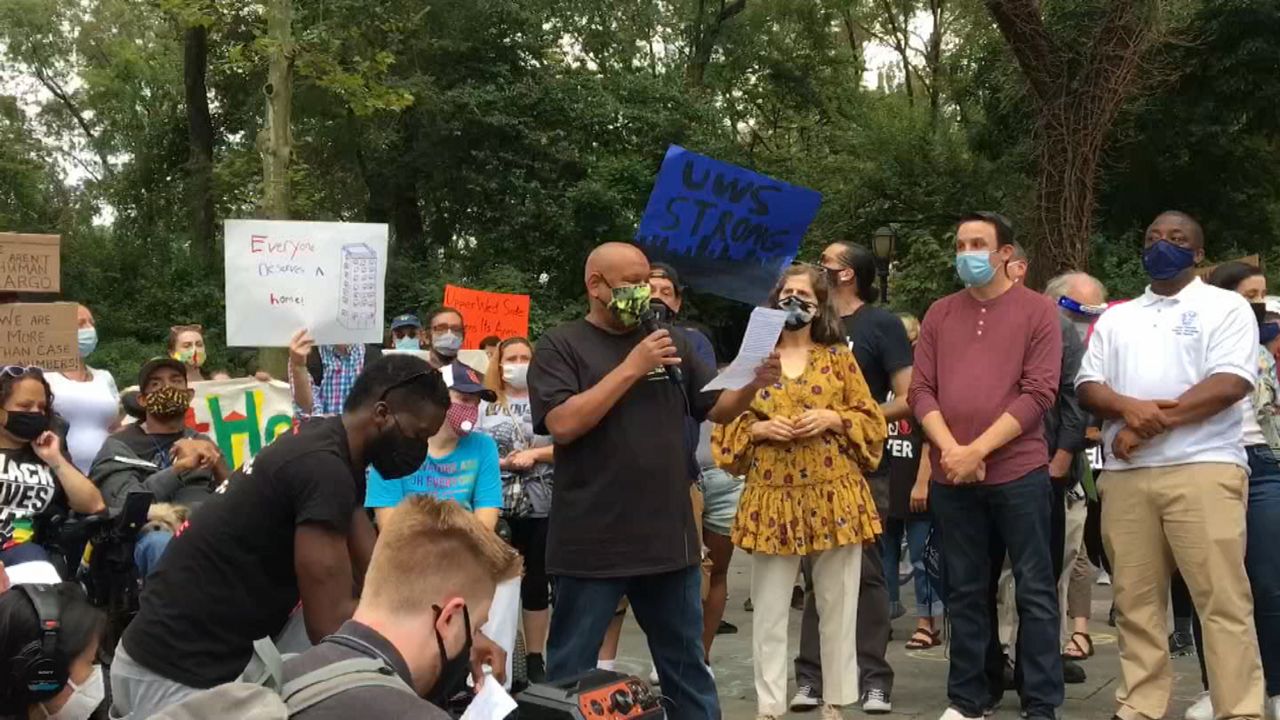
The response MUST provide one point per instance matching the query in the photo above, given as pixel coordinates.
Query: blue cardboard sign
(725, 229)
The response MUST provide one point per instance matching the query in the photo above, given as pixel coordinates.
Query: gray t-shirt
(355, 640)
(511, 427)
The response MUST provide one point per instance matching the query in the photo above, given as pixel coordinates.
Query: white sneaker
(806, 699)
(876, 702)
(1201, 709)
(653, 676)
(1103, 578)
(954, 714)
(1273, 707)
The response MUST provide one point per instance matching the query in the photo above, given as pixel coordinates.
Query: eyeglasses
(446, 328)
(17, 371)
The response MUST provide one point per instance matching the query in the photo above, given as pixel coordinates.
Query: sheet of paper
(760, 340)
(491, 703)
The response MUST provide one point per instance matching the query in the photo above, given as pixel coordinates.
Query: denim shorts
(720, 491)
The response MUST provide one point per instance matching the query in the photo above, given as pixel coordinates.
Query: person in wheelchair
(36, 474)
(49, 639)
(159, 455)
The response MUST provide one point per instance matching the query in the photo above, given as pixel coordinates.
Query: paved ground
(920, 686)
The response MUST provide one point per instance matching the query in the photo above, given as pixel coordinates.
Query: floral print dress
(807, 495)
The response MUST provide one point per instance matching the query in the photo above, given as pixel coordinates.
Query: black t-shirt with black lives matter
(229, 578)
(879, 343)
(620, 504)
(27, 489)
(902, 454)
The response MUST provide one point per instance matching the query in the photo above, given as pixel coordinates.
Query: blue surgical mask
(447, 344)
(1163, 260)
(974, 267)
(88, 340)
(407, 343)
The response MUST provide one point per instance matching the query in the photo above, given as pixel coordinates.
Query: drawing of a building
(358, 306)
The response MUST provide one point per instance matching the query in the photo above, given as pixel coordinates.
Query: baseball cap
(466, 380)
(663, 270)
(406, 320)
(156, 363)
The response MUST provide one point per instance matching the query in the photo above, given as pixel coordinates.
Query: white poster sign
(477, 360)
(242, 416)
(283, 276)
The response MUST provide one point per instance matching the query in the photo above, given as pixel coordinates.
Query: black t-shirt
(28, 488)
(880, 345)
(152, 448)
(621, 498)
(902, 454)
(229, 578)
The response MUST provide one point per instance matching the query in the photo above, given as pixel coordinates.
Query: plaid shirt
(340, 372)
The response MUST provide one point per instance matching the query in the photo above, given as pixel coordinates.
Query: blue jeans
(1019, 514)
(928, 599)
(1262, 557)
(148, 549)
(668, 607)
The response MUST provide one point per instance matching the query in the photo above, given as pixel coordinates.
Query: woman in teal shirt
(461, 465)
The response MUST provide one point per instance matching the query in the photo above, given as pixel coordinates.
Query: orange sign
(488, 313)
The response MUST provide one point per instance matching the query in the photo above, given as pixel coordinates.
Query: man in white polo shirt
(1167, 372)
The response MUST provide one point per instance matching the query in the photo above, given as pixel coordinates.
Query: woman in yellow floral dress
(803, 448)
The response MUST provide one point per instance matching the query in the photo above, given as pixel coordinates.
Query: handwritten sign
(242, 416)
(729, 231)
(30, 263)
(39, 334)
(285, 276)
(488, 313)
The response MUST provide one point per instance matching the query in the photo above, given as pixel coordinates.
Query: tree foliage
(502, 139)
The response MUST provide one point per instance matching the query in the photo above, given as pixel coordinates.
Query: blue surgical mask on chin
(1164, 261)
(974, 268)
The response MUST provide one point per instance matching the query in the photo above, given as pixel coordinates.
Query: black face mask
(26, 425)
(453, 670)
(1259, 311)
(394, 454)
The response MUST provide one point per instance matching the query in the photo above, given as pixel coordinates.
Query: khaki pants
(1077, 511)
(1189, 517)
(836, 576)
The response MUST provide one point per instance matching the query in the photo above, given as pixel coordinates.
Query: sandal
(923, 639)
(1075, 651)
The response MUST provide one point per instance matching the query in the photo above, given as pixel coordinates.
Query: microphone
(649, 323)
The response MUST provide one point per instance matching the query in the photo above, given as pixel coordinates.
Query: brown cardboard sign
(39, 334)
(30, 263)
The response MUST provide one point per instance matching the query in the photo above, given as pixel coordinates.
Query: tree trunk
(703, 39)
(195, 61)
(276, 142)
(1068, 154)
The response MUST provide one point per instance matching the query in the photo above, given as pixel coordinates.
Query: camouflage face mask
(629, 303)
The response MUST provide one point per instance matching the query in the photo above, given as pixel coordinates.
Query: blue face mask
(1164, 260)
(88, 340)
(974, 268)
(407, 343)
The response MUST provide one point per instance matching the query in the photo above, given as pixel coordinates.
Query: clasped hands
(1143, 420)
(807, 424)
(964, 464)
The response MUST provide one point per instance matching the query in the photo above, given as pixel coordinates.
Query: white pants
(836, 575)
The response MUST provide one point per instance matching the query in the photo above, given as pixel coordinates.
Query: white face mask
(83, 701)
(516, 375)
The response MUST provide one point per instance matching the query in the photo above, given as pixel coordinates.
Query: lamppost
(882, 245)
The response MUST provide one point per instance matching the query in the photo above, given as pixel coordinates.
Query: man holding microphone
(603, 388)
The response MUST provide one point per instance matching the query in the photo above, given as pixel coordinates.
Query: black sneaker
(1181, 644)
(1072, 673)
(807, 698)
(535, 668)
(726, 628)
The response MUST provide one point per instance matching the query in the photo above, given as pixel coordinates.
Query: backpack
(258, 702)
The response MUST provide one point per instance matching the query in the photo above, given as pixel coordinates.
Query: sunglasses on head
(17, 371)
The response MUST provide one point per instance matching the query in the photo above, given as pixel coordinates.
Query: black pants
(529, 536)
(1018, 513)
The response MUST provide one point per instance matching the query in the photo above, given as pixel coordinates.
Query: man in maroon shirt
(986, 371)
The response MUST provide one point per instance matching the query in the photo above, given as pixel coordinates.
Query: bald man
(623, 525)
(1167, 372)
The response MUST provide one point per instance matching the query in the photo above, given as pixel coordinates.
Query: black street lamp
(882, 245)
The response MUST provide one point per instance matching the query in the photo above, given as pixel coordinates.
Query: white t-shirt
(90, 408)
(1156, 348)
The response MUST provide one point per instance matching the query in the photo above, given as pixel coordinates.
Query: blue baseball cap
(407, 320)
(467, 380)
